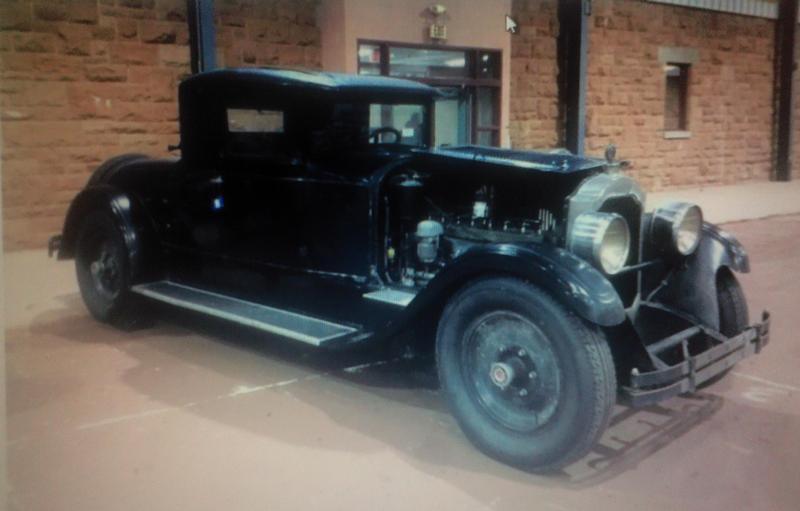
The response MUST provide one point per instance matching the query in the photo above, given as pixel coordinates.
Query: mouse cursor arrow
(511, 25)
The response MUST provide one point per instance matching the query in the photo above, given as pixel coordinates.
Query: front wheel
(530, 383)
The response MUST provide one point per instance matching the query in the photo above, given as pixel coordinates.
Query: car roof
(315, 80)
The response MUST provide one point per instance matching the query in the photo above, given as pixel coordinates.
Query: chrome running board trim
(398, 297)
(295, 326)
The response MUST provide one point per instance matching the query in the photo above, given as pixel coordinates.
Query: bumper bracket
(666, 381)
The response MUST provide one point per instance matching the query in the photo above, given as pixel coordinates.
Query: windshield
(397, 124)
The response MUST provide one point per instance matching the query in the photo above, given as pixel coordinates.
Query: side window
(255, 133)
(407, 121)
(241, 120)
(676, 98)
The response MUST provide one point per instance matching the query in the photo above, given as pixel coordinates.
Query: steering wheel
(386, 129)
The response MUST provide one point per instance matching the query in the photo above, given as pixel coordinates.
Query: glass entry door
(469, 79)
(453, 117)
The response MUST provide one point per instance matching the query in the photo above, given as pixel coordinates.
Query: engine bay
(427, 224)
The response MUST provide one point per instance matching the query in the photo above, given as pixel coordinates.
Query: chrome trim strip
(397, 297)
(147, 290)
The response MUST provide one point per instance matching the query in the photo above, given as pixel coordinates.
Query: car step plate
(398, 297)
(295, 326)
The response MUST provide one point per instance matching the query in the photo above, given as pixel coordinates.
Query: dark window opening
(676, 97)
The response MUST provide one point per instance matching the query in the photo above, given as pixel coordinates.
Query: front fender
(571, 281)
(693, 288)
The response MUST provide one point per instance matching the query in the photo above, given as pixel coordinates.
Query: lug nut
(532, 375)
(523, 392)
(521, 352)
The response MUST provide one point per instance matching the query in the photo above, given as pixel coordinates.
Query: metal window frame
(754, 8)
(471, 82)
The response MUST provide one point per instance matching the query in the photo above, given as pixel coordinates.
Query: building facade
(685, 92)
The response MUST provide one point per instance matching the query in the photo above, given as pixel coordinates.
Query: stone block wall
(84, 80)
(535, 117)
(730, 107)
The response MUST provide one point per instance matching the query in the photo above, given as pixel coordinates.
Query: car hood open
(558, 161)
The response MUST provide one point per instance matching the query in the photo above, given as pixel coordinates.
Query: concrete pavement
(190, 414)
(733, 203)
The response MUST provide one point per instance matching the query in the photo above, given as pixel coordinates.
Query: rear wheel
(530, 383)
(102, 266)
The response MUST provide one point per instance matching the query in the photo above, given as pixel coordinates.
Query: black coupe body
(315, 207)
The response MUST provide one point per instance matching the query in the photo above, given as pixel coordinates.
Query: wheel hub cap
(105, 271)
(501, 374)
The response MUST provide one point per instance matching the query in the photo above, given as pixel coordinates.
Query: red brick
(35, 42)
(50, 10)
(173, 56)
(15, 15)
(75, 39)
(106, 73)
(137, 4)
(132, 53)
(82, 11)
(162, 32)
(171, 10)
(104, 32)
(127, 28)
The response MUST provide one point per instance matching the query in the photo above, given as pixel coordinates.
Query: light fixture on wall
(437, 30)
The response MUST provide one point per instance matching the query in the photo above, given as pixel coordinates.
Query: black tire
(563, 365)
(733, 314)
(103, 268)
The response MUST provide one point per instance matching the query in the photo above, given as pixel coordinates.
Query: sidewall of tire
(566, 435)
(99, 306)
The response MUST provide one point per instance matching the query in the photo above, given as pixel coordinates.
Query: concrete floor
(191, 414)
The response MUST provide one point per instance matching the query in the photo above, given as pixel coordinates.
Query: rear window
(242, 120)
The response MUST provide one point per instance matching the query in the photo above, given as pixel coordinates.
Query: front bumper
(666, 381)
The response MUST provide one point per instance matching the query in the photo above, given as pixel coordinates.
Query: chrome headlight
(677, 226)
(602, 238)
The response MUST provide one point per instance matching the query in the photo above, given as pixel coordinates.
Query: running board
(399, 297)
(295, 326)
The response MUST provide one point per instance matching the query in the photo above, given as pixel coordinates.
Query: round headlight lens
(679, 225)
(602, 238)
(687, 230)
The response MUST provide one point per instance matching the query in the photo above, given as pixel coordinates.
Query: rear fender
(129, 217)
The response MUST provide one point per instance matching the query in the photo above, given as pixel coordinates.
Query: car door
(294, 233)
(195, 233)
(298, 241)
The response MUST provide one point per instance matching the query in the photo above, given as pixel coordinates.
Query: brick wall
(730, 93)
(730, 107)
(84, 80)
(534, 118)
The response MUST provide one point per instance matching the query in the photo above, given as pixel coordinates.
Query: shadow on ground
(395, 402)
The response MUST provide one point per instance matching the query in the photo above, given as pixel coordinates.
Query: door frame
(471, 82)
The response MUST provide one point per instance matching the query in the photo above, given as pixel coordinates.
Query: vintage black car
(315, 206)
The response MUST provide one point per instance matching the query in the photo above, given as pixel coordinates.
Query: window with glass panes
(469, 79)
